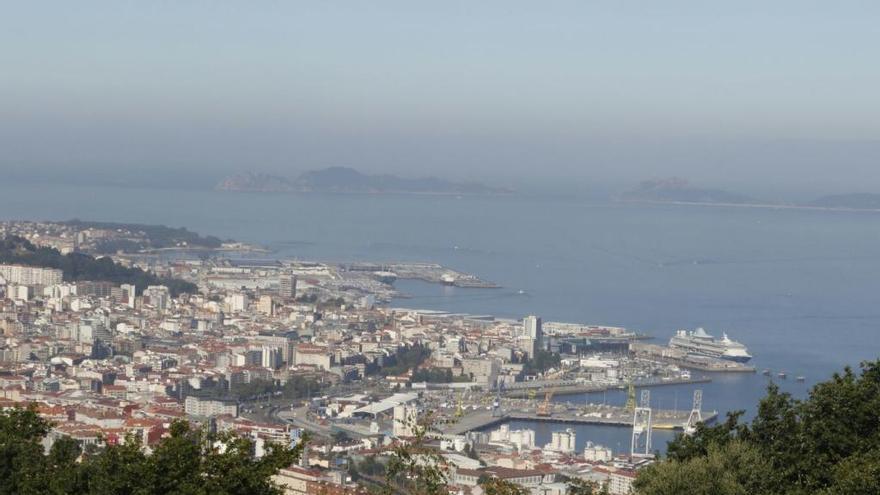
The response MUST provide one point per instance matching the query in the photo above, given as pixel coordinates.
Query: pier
(426, 272)
(685, 360)
(594, 415)
(573, 387)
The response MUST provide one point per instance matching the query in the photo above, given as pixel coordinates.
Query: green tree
(415, 467)
(827, 443)
(188, 462)
(577, 486)
(23, 465)
(68, 475)
(118, 469)
(686, 447)
(495, 486)
(734, 468)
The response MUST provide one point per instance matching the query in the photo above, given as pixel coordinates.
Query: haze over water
(798, 287)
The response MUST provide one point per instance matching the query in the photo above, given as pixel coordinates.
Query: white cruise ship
(701, 343)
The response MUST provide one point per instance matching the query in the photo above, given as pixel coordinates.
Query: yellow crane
(631, 397)
(459, 411)
(546, 407)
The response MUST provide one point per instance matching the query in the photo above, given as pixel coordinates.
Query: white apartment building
(159, 296)
(197, 406)
(30, 275)
(238, 302)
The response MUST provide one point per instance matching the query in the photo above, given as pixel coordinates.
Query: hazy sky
(782, 93)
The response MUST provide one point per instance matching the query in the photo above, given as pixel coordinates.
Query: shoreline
(749, 205)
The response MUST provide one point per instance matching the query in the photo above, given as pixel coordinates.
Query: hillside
(132, 237)
(82, 267)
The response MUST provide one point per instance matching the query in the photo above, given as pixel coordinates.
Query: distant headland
(679, 191)
(349, 180)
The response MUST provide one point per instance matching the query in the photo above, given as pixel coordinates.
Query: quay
(426, 272)
(572, 387)
(600, 415)
(684, 360)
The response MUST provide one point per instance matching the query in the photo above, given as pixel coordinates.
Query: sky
(749, 94)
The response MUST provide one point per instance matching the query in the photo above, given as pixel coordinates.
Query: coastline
(774, 206)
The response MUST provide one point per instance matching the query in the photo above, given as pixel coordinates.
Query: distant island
(349, 180)
(680, 191)
(854, 201)
(676, 190)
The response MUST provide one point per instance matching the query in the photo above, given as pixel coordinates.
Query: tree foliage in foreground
(188, 462)
(828, 444)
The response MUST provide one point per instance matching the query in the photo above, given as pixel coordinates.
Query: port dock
(427, 272)
(684, 360)
(572, 387)
(590, 415)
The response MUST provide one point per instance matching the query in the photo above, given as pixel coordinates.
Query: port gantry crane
(640, 446)
(497, 412)
(696, 415)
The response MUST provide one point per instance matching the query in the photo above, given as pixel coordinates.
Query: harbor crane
(696, 415)
(641, 434)
(496, 405)
(630, 396)
(546, 408)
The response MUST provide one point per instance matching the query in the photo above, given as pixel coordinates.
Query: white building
(597, 453)
(30, 275)
(159, 296)
(271, 357)
(18, 292)
(197, 406)
(265, 305)
(287, 285)
(532, 327)
(484, 370)
(521, 439)
(129, 292)
(562, 441)
(238, 302)
(620, 482)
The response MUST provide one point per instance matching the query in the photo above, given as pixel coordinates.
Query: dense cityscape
(439, 248)
(272, 349)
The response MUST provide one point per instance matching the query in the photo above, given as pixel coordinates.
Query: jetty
(590, 415)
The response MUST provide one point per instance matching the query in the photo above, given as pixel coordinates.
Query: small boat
(801, 378)
(782, 375)
(766, 372)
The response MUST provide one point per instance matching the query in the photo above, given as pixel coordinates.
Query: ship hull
(737, 359)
